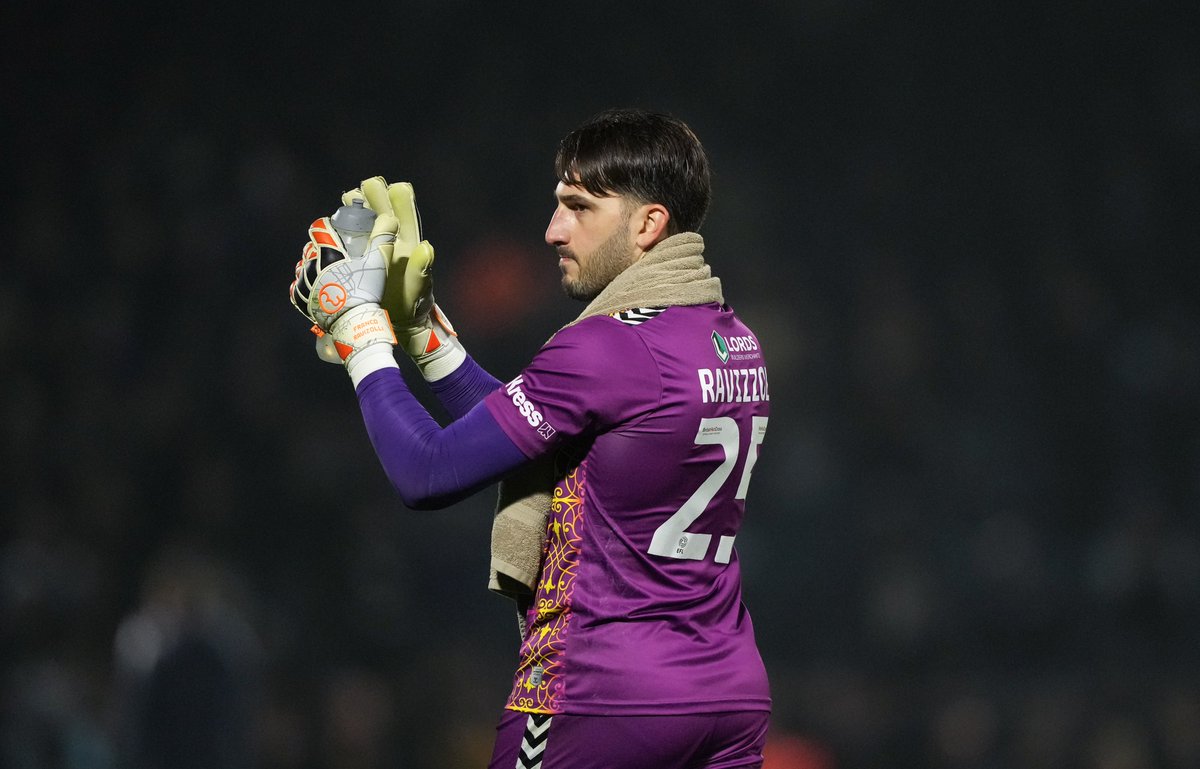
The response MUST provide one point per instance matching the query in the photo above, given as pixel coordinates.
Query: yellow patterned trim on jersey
(538, 686)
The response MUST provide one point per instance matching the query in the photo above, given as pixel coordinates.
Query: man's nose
(556, 232)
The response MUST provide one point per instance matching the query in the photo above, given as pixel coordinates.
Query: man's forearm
(431, 466)
(460, 391)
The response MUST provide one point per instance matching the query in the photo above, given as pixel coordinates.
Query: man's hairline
(629, 200)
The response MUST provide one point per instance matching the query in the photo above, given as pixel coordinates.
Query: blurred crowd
(965, 237)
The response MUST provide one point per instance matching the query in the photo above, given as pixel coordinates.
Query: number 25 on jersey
(672, 539)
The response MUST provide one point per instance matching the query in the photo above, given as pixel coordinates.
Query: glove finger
(421, 259)
(404, 206)
(322, 233)
(384, 230)
(375, 191)
(299, 290)
(300, 302)
(349, 196)
(383, 238)
(417, 293)
(307, 267)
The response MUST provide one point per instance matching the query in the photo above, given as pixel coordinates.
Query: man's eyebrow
(569, 198)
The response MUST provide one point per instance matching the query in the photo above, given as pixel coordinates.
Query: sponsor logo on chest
(734, 385)
(734, 347)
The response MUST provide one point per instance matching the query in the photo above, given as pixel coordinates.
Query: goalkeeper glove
(422, 329)
(340, 290)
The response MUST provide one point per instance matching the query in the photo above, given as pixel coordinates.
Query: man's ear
(651, 225)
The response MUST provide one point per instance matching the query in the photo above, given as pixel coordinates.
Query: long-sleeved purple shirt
(654, 419)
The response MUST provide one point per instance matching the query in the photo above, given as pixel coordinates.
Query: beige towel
(672, 273)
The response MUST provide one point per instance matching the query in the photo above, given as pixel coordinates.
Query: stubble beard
(609, 260)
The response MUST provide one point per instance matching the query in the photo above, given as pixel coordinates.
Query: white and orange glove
(422, 329)
(340, 290)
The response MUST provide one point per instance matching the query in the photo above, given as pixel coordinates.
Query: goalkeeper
(624, 450)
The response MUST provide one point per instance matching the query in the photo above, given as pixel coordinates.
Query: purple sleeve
(587, 379)
(466, 386)
(431, 466)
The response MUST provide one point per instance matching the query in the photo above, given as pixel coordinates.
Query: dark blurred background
(964, 232)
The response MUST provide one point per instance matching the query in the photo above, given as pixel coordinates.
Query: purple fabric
(466, 386)
(654, 422)
(431, 466)
(704, 741)
(656, 427)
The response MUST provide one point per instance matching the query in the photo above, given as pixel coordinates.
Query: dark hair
(647, 156)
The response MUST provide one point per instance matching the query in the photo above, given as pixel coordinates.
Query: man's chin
(576, 290)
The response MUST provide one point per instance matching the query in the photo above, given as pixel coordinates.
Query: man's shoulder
(599, 341)
(646, 327)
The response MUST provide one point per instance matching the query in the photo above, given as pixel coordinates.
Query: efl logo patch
(721, 347)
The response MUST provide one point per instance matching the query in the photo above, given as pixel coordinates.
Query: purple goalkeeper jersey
(655, 418)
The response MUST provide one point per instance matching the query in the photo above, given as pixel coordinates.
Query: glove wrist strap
(443, 362)
(368, 361)
(434, 346)
(363, 338)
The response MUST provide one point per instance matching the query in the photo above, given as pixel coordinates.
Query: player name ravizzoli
(733, 385)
